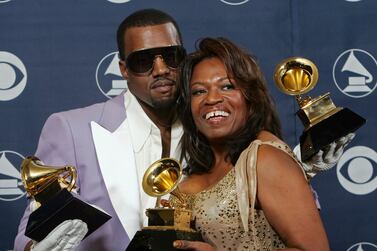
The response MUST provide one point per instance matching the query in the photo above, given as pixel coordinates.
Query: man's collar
(140, 124)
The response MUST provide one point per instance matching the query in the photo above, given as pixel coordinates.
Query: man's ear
(123, 69)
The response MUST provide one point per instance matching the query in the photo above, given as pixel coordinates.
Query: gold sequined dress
(223, 211)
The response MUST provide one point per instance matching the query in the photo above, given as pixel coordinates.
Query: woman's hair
(243, 69)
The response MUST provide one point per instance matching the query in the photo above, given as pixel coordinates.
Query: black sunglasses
(142, 61)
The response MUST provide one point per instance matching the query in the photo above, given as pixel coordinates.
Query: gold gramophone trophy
(165, 224)
(323, 121)
(50, 187)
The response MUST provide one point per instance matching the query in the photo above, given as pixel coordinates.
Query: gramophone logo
(356, 170)
(12, 76)
(108, 77)
(234, 2)
(363, 246)
(355, 73)
(11, 187)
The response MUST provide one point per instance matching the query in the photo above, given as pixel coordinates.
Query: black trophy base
(63, 206)
(328, 130)
(160, 240)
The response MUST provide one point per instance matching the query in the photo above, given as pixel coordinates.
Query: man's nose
(159, 66)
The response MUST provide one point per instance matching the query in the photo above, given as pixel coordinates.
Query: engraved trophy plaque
(165, 224)
(323, 121)
(50, 187)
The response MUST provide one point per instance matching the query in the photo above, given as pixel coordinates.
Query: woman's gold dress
(217, 210)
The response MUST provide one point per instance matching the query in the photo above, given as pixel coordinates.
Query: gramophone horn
(162, 177)
(36, 177)
(296, 75)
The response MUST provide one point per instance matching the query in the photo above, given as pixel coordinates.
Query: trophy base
(63, 206)
(160, 240)
(328, 130)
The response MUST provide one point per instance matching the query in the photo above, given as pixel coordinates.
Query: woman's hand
(193, 245)
(165, 203)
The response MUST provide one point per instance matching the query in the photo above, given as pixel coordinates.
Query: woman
(245, 187)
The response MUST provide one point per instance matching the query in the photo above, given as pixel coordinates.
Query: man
(113, 143)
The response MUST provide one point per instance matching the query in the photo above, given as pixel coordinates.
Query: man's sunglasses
(142, 61)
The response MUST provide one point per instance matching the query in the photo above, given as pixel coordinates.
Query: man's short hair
(142, 18)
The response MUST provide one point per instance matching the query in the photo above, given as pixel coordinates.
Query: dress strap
(246, 182)
(246, 177)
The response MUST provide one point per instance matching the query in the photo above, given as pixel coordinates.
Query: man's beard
(166, 104)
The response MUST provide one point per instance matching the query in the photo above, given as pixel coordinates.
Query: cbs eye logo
(234, 2)
(12, 76)
(363, 246)
(356, 171)
(118, 1)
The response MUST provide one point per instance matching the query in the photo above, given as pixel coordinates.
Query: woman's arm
(287, 201)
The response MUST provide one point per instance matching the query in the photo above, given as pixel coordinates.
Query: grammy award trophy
(323, 121)
(51, 189)
(165, 224)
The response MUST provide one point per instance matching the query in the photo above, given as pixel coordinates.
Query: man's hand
(327, 157)
(193, 245)
(65, 237)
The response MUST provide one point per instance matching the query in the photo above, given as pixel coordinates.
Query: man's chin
(165, 103)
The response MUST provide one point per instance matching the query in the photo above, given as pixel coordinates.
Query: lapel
(112, 140)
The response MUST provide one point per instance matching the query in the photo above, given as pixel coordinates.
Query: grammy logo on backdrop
(50, 187)
(323, 121)
(165, 224)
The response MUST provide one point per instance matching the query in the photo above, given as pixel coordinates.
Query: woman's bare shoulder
(274, 164)
(272, 158)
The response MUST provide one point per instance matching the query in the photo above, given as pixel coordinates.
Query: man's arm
(55, 148)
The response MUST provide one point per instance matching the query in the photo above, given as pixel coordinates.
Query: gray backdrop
(57, 55)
